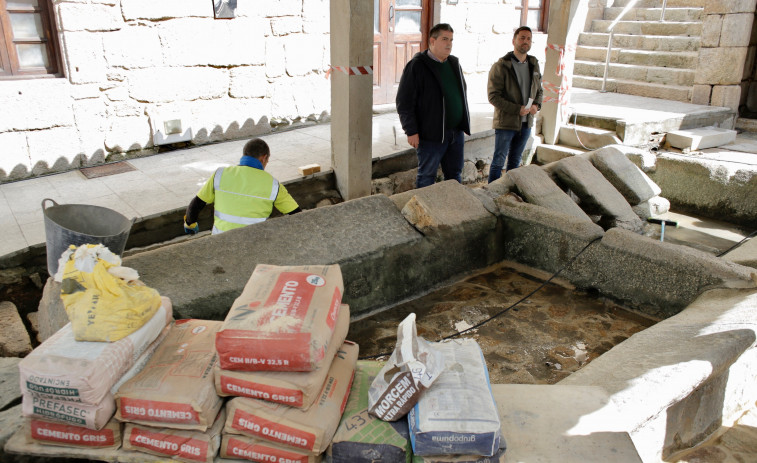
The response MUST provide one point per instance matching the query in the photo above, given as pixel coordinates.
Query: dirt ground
(541, 340)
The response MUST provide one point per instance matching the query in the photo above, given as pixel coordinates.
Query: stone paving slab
(596, 193)
(700, 138)
(545, 424)
(623, 174)
(537, 187)
(10, 390)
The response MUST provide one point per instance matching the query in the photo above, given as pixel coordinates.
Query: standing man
(433, 108)
(514, 83)
(243, 194)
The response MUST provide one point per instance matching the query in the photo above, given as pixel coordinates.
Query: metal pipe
(662, 16)
(607, 61)
(630, 5)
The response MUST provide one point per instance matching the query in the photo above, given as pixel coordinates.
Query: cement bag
(457, 415)
(62, 368)
(310, 431)
(175, 388)
(293, 388)
(182, 445)
(283, 320)
(104, 301)
(50, 433)
(498, 457)
(363, 438)
(411, 369)
(46, 406)
(252, 449)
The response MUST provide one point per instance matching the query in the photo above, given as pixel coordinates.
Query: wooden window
(28, 40)
(534, 14)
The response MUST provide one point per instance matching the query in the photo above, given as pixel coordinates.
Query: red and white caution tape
(350, 70)
(566, 53)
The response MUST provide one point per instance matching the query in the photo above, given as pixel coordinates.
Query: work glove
(192, 228)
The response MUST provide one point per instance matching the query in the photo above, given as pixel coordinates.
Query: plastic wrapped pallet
(50, 433)
(293, 388)
(46, 406)
(498, 457)
(175, 388)
(363, 438)
(307, 431)
(283, 320)
(257, 450)
(457, 415)
(177, 444)
(62, 368)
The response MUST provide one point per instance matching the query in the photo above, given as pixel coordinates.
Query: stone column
(726, 34)
(351, 96)
(566, 22)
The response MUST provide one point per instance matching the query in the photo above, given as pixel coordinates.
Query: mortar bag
(46, 432)
(176, 444)
(363, 438)
(457, 415)
(249, 448)
(411, 369)
(103, 300)
(175, 388)
(283, 320)
(79, 414)
(294, 388)
(307, 432)
(498, 457)
(62, 368)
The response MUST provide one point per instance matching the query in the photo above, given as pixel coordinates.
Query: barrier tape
(350, 70)
(564, 88)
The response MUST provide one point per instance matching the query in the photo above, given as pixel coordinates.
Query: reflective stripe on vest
(240, 220)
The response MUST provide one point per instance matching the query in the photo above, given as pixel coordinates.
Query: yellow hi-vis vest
(242, 196)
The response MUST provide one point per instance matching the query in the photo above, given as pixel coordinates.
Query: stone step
(630, 87)
(666, 59)
(651, 74)
(640, 42)
(685, 29)
(654, 14)
(588, 138)
(658, 3)
(546, 154)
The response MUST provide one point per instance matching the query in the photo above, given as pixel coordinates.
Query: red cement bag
(249, 448)
(283, 320)
(49, 433)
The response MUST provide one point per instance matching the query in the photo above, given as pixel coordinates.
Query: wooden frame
(543, 18)
(11, 67)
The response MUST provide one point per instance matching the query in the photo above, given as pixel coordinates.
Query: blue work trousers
(508, 146)
(448, 153)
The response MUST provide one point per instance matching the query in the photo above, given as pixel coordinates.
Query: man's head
(440, 40)
(522, 40)
(257, 149)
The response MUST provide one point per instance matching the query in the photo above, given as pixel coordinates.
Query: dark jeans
(508, 145)
(448, 153)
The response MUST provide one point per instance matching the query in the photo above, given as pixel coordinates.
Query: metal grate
(107, 169)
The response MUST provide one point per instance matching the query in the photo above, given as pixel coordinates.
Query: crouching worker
(243, 194)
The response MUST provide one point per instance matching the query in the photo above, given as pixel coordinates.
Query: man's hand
(534, 109)
(192, 228)
(524, 111)
(413, 140)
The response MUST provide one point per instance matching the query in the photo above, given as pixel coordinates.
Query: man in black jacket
(433, 108)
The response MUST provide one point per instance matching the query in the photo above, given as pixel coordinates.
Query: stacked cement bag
(68, 385)
(283, 356)
(171, 408)
(456, 419)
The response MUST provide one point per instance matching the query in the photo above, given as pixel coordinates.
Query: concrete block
(651, 208)
(712, 25)
(303, 53)
(128, 134)
(51, 313)
(248, 82)
(728, 96)
(546, 154)
(133, 47)
(160, 84)
(701, 94)
(597, 194)
(14, 339)
(710, 69)
(729, 6)
(445, 206)
(309, 169)
(700, 138)
(739, 29)
(536, 187)
(539, 427)
(635, 186)
(92, 18)
(586, 137)
(746, 254)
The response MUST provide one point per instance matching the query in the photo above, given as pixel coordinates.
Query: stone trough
(664, 389)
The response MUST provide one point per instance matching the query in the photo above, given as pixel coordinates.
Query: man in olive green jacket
(514, 90)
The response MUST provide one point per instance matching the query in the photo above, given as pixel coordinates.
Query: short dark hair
(520, 29)
(256, 148)
(434, 32)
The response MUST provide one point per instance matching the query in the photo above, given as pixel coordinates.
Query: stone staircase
(649, 57)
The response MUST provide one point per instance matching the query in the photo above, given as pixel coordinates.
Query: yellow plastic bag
(104, 301)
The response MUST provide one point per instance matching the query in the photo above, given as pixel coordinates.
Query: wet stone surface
(542, 340)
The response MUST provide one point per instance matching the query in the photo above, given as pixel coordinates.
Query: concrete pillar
(566, 22)
(351, 96)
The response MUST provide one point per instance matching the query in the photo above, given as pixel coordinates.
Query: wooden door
(400, 30)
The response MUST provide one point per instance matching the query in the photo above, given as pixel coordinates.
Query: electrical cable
(507, 309)
(746, 238)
